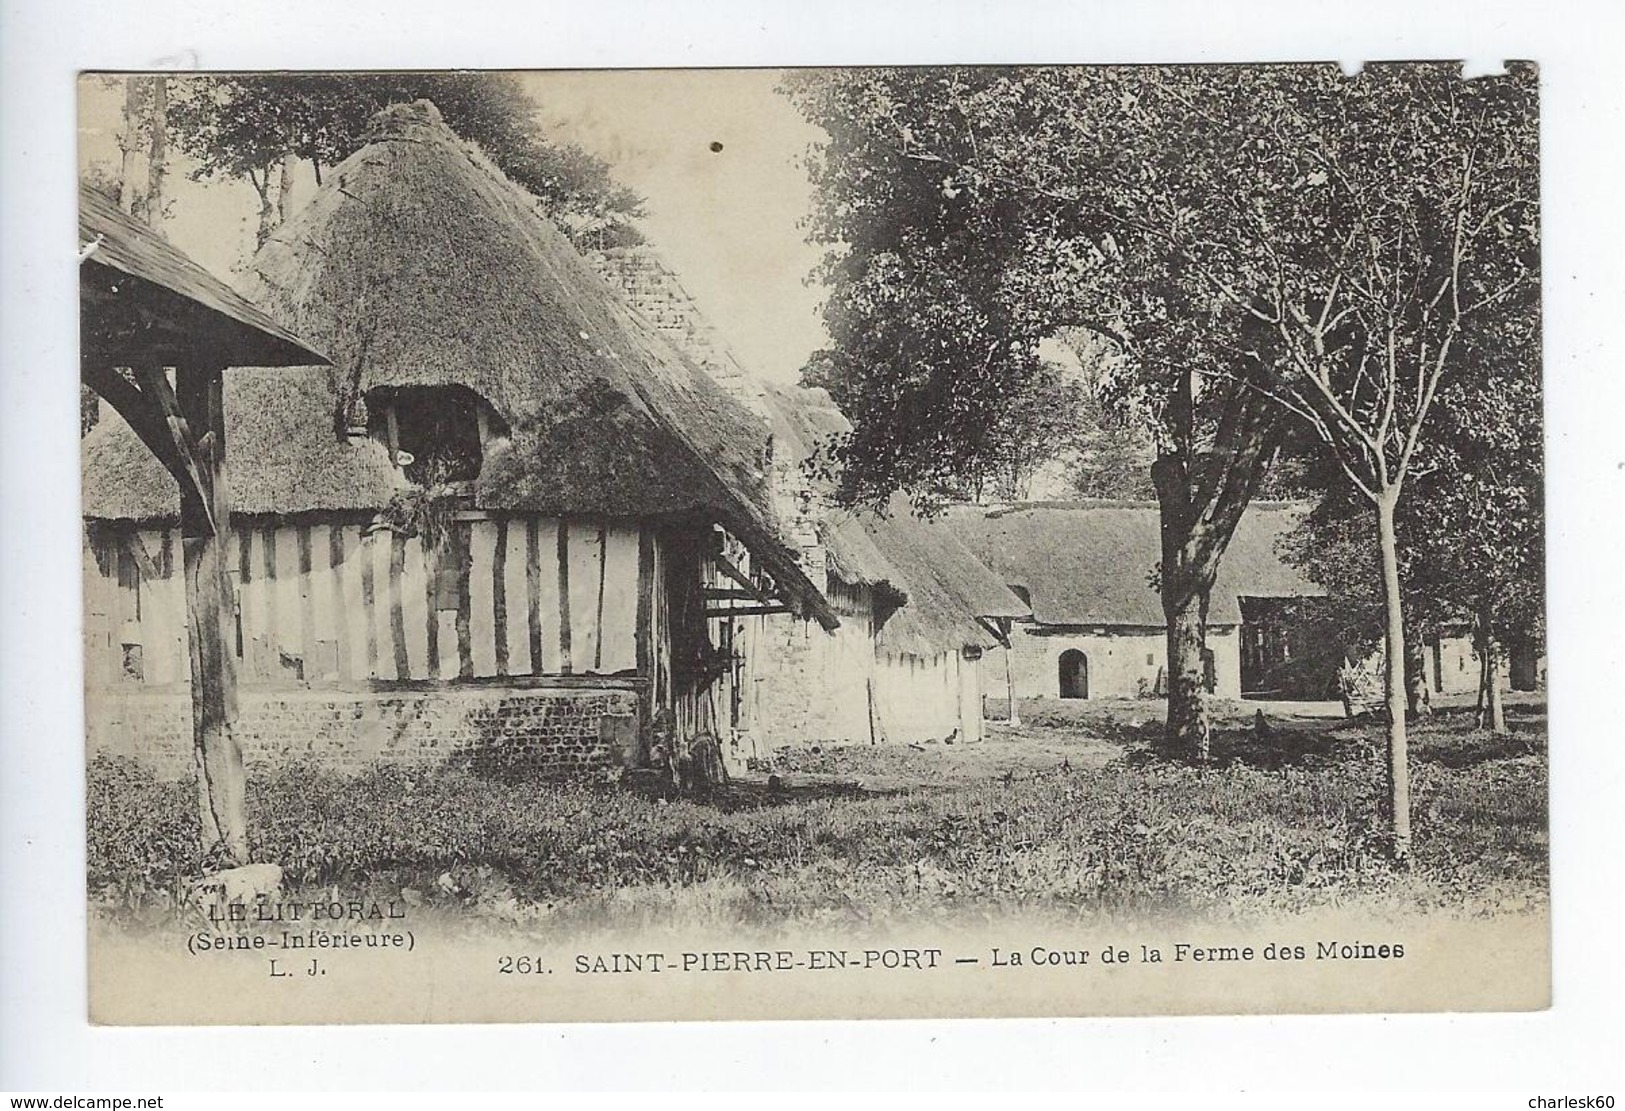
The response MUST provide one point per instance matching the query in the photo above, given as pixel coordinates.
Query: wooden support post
(204, 535)
(1010, 686)
(645, 646)
(392, 427)
(185, 434)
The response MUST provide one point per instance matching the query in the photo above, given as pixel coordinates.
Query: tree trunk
(1491, 653)
(157, 151)
(1482, 705)
(1201, 494)
(1188, 728)
(284, 190)
(219, 758)
(1418, 700)
(1399, 775)
(128, 145)
(267, 224)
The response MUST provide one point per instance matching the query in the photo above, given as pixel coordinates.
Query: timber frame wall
(324, 601)
(512, 602)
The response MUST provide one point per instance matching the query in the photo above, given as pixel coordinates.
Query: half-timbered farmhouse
(502, 526)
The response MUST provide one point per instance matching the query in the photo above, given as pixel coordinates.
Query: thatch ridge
(1092, 562)
(948, 588)
(282, 455)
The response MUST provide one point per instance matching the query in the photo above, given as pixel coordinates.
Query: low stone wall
(541, 732)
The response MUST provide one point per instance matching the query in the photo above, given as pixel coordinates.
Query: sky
(727, 221)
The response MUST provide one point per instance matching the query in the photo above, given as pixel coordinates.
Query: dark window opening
(130, 664)
(436, 434)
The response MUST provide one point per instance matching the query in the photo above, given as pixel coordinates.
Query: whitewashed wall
(1122, 664)
(323, 602)
(927, 698)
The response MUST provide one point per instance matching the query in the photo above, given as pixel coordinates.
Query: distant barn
(1097, 628)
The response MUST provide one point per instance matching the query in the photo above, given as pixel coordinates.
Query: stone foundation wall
(541, 732)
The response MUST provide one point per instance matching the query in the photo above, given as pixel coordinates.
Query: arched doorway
(1074, 674)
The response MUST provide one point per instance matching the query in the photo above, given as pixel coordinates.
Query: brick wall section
(651, 288)
(544, 733)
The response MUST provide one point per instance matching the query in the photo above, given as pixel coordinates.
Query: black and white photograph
(926, 542)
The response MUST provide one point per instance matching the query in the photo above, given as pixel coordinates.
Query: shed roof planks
(155, 303)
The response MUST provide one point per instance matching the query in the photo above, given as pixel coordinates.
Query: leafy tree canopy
(244, 125)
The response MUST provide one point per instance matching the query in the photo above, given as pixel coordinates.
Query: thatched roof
(943, 587)
(282, 455)
(1090, 563)
(934, 585)
(148, 300)
(806, 420)
(419, 264)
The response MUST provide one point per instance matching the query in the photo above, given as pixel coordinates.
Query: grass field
(1076, 813)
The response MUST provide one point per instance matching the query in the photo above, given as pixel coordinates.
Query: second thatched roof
(938, 587)
(1091, 562)
(282, 455)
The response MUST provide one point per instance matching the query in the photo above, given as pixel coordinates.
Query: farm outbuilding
(918, 611)
(501, 526)
(1097, 629)
(157, 335)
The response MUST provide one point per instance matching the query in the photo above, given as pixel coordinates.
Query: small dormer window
(436, 434)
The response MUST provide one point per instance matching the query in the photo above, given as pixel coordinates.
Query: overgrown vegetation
(1286, 822)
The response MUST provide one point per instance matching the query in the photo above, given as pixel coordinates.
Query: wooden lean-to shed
(157, 333)
(497, 528)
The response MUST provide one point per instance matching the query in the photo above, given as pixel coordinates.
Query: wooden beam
(720, 594)
(747, 611)
(197, 404)
(131, 542)
(392, 425)
(131, 404)
(644, 643)
(998, 628)
(156, 389)
(725, 565)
